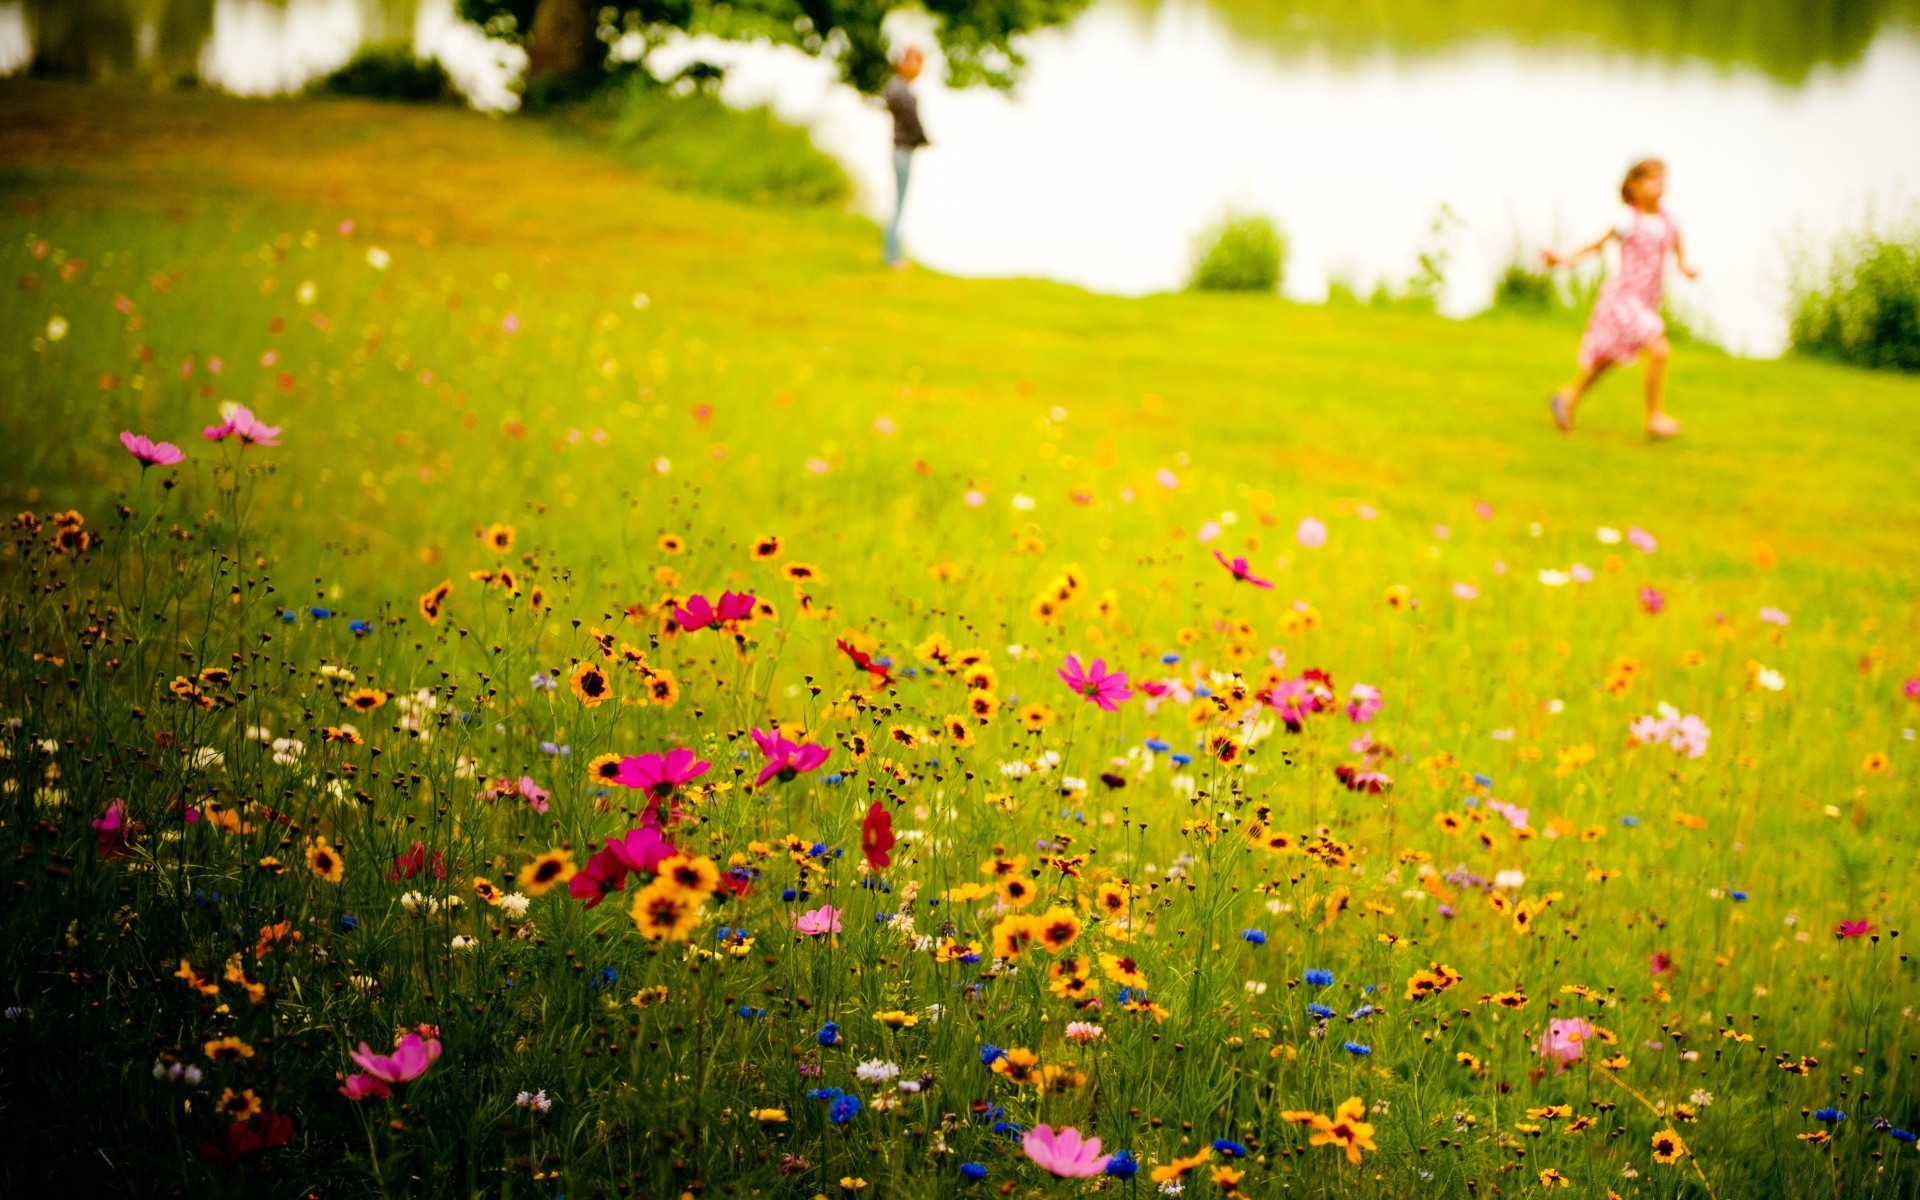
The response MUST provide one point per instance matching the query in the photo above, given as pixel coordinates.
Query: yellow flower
(1012, 934)
(323, 860)
(1551, 1178)
(366, 699)
(1035, 717)
(769, 1116)
(227, 1049)
(498, 537)
(692, 878)
(897, 1019)
(1345, 1130)
(604, 768)
(1123, 971)
(590, 684)
(546, 870)
(1178, 1168)
(434, 602)
(1877, 764)
(665, 913)
(1667, 1147)
(1057, 928)
(486, 889)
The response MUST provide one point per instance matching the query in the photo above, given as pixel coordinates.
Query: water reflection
(1786, 39)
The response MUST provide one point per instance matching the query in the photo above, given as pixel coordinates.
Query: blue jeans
(902, 167)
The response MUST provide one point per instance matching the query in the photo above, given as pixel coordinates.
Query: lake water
(1784, 123)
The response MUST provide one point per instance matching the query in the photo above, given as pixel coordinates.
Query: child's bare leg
(1659, 424)
(1568, 398)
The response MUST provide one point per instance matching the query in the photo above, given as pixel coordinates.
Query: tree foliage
(976, 36)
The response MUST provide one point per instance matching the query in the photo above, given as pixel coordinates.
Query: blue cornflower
(1319, 1011)
(348, 922)
(1901, 1135)
(1180, 760)
(360, 627)
(1318, 977)
(1737, 894)
(990, 1054)
(750, 1012)
(1203, 691)
(1008, 1128)
(973, 1171)
(1358, 1050)
(825, 1093)
(1630, 820)
(543, 682)
(319, 614)
(829, 1034)
(1256, 937)
(1485, 781)
(1230, 1148)
(1169, 658)
(832, 777)
(605, 977)
(1831, 1116)
(843, 1109)
(1123, 1165)
(1159, 745)
(1365, 1010)
(289, 616)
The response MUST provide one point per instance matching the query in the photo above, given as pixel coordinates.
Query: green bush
(695, 141)
(1524, 290)
(1866, 310)
(390, 72)
(1239, 253)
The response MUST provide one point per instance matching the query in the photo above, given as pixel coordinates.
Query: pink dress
(1627, 315)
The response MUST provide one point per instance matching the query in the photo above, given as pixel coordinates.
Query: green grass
(776, 380)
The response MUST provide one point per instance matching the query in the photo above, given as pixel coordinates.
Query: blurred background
(1403, 151)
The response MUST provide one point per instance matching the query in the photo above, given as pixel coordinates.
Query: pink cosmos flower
(785, 759)
(1064, 1153)
(1774, 616)
(1363, 779)
(1853, 929)
(1564, 1042)
(534, 794)
(699, 612)
(149, 452)
(410, 1059)
(1652, 600)
(1911, 689)
(365, 1087)
(1465, 591)
(818, 922)
(1641, 540)
(1242, 571)
(1363, 703)
(1293, 699)
(660, 775)
(1096, 683)
(1660, 964)
(237, 420)
(1311, 533)
(1082, 1032)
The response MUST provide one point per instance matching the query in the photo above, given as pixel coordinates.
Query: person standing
(907, 137)
(1626, 319)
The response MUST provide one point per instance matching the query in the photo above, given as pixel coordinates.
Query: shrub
(1866, 311)
(1524, 290)
(391, 72)
(695, 141)
(1239, 253)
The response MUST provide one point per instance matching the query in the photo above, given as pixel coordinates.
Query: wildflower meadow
(516, 682)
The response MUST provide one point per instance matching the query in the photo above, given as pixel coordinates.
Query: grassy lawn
(460, 322)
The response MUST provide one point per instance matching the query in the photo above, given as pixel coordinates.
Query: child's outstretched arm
(1554, 258)
(1680, 257)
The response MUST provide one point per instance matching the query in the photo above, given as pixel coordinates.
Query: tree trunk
(561, 42)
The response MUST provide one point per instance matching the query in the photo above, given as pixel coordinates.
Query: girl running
(1626, 318)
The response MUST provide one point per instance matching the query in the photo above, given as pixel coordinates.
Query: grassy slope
(1359, 403)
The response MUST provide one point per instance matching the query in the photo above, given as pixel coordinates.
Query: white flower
(1511, 879)
(1023, 503)
(1553, 578)
(306, 292)
(378, 259)
(536, 1100)
(56, 329)
(876, 1070)
(1608, 536)
(206, 757)
(514, 904)
(1770, 679)
(463, 942)
(1701, 1097)
(1170, 1188)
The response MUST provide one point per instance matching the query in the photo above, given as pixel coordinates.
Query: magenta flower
(149, 452)
(1242, 571)
(699, 612)
(604, 874)
(1096, 683)
(818, 922)
(411, 1057)
(1063, 1152)
(1293, 699)
(1564, 1042)
(659, 775)
(1911, 689)
(1652, 600)
(642, 849)
(1853, 929)
(112, 829)
(786, 759)
(237, 420)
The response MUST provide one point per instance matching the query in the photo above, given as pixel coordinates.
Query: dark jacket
(907, 134)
